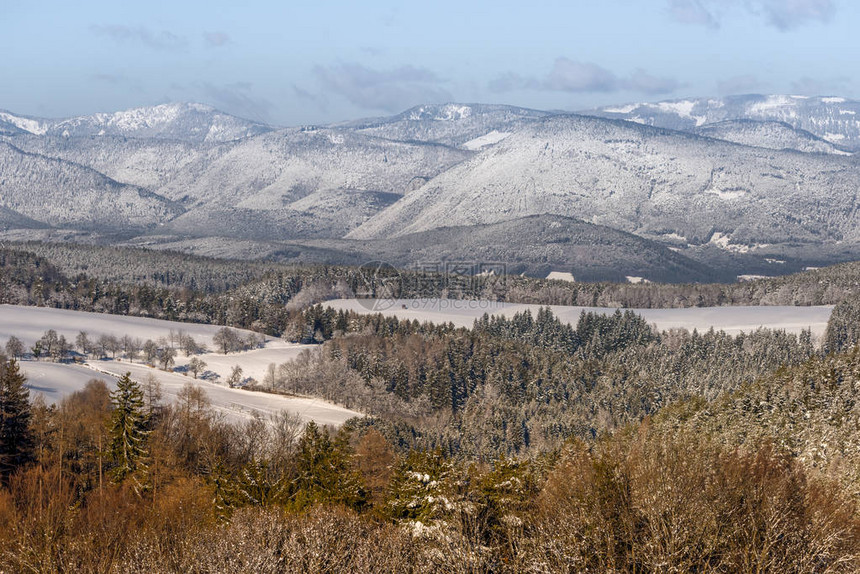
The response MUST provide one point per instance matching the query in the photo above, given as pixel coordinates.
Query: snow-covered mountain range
(762, 184)
(183, 122)
(833, 119)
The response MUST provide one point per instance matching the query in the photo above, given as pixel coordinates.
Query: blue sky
(296, 62)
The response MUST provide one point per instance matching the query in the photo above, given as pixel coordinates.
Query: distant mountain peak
(445, 112)
(831, 118)
(193, 122)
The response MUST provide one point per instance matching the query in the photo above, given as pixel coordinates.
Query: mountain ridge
(834, 119)
(734, 193)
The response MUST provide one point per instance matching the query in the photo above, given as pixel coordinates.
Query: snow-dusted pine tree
(128, 431)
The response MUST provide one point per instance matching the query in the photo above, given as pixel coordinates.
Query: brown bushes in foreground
(667, 504)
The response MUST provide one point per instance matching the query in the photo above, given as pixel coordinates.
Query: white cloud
(693, 12)
(743, 84)
(216, 39)
(573, 76)
(578, 77)
(807, 86)
(237, 98)
(641, 81)
(157, 40)
(782, 14)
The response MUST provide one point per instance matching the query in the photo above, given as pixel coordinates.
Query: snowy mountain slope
(149, 163)
(322, 214)
(61, 193)
(655, 183)
(24, 124)
(385, 179)
(537, 245)
(272, 171)
(179, 121)
(9, 129)
(10, 219)
(771, 135)
(450, 124)
(336, 178)
(533, 245)
(836, 120)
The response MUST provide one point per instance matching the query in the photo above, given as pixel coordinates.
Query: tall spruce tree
(16, 436)
(128, 431)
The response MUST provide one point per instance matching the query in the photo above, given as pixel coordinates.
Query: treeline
(119, 482)
(173, 278)
(27, 279)
(521, 384)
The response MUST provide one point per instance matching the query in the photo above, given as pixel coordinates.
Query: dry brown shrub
(655, 503)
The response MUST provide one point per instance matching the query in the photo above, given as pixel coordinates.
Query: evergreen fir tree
(324, 471)
(258, 484)
(128, 431)
(227, 496)
(420, 487)
(16, 437)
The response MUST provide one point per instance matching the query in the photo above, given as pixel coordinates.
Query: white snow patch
(684, 108)
(636, 280)
(773, 103)
(723, 241)
(561, 276)
(752, 277)
(847, 112)
(831, 137)
(452, 112)
(485, 140)
(723, 194)
(775, 261)
(833, 100)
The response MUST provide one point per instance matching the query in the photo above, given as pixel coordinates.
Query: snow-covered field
(58, 380)
(30, 323)
(732, 320)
